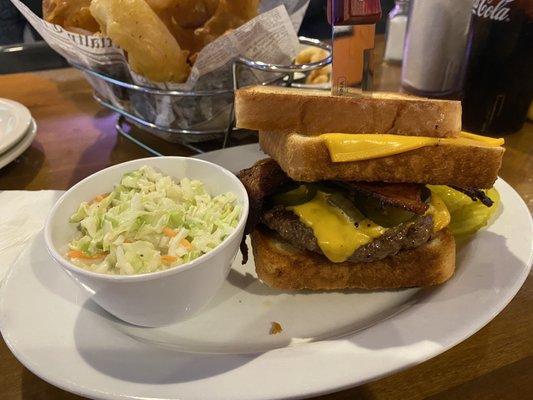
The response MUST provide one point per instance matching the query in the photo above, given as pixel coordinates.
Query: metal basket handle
(275, 68)
(259, 65)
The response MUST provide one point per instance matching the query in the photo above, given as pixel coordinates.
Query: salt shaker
(396, 27)
(435, 43)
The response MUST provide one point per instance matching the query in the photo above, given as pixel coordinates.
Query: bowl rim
(65, 263)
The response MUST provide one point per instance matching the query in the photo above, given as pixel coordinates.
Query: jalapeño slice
(346, 206)
(382, 215)
(302, 194)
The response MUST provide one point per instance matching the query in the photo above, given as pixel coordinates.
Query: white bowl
(157, 298)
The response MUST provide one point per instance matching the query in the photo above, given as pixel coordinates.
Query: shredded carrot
(99, 198)
(167, 260)
(82, 255)
(185, 243)
(169, 232)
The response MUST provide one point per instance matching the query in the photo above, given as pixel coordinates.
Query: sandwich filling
(344, 147)
(344, 221)
(352, 226)
(338, 235)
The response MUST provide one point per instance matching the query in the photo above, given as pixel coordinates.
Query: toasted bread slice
(282, 266)
(307, 159)
(312, 112)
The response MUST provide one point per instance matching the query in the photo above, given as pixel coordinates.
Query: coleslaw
(150, 223)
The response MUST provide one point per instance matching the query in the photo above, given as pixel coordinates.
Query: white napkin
(22, 215)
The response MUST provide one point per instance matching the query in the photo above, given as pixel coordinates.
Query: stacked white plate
(17, 130)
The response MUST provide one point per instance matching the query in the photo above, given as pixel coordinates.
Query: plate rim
(460, 335)
(24, 120)
(20, 147)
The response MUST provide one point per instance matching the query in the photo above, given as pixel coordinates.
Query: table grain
(76, 138)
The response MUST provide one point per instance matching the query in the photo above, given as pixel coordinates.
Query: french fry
(73, 15)
(158, 36)
(152, 51)
(313, 54)
(230, 14)
(185, 37)
(187, 13)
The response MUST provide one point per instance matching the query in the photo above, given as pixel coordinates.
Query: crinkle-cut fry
(311, 54)
(135, 27)
(304, 56)
(230, 14)
(73, 15)
(314, 54)
(317, 79)
(321, 75)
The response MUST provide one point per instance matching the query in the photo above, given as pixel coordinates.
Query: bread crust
(307, 159)
(312, 112)
(282, 266)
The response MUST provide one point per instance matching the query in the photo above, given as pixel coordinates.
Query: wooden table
(76, 138)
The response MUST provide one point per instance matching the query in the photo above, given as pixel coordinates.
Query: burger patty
(404, 236)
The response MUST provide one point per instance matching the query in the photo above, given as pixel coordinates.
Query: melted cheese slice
(336, 234)
(440, 213)
(345, 147)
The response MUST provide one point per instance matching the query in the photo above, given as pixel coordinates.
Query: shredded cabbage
(150, 223)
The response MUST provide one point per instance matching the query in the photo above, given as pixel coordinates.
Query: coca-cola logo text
(488, 9)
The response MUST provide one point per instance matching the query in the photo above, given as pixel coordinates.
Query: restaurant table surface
(76, 138)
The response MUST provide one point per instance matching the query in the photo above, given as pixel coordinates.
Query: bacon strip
(408, 196)
(261, 180)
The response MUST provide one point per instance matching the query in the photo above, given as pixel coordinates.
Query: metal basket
(202, 115)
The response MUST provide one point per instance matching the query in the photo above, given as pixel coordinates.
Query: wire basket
(198, 116)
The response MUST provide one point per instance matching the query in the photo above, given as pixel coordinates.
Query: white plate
(330, 341)
(15, 120)
(19, 148)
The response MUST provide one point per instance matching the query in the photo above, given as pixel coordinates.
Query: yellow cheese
(493, 142)
(440, 213)
(345, 147)
(336, 234)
